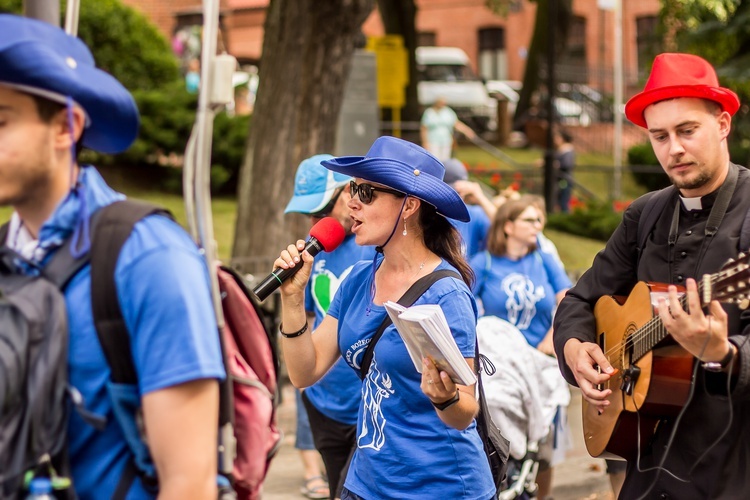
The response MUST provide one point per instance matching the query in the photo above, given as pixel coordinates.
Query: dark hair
(444, 240)
(497, 241)
(47, 110)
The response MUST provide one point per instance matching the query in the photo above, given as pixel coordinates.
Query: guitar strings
(654, 325)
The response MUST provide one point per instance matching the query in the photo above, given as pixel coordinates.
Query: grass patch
(576, 252)
(224, 215)
(594, 171)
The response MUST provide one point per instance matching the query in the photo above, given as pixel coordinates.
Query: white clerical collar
(692, 203)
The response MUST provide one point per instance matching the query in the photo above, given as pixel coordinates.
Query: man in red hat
(693, 438)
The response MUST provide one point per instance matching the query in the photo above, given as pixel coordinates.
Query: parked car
(568, 111)
(445, 72)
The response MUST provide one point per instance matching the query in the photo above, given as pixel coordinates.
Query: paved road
(578, 477)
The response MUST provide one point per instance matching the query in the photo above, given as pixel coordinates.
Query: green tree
(719, 31)
(123, 42)
(307, 51)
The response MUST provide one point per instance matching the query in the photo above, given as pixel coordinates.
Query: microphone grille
(329, 232)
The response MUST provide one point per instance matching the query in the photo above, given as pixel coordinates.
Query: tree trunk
(399, 18)
(538, 52)
(307, 51)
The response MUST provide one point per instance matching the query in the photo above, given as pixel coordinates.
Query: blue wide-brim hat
(40, 59)
(408, 168)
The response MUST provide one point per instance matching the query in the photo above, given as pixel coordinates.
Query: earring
(404, 233)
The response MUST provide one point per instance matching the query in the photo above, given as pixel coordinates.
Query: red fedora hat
(680, 75)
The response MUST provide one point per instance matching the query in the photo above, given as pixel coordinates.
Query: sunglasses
(326, 211)
(364, 191)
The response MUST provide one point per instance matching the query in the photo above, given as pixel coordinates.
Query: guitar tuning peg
(729, 261)
(744, 303)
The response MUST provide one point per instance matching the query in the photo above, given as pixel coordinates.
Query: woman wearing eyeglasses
(416, 436)
(517, 282)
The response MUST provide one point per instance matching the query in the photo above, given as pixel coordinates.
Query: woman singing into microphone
(416, 436)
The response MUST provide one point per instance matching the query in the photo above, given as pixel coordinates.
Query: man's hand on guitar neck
(590, 368)
(703, 336)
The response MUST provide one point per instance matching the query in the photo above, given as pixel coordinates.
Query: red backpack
(252, 368)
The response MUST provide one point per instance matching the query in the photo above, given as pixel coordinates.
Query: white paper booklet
(426, 333)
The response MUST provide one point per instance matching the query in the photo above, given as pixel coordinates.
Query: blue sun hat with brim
(408, 168)
(314, 186)
(40, 59)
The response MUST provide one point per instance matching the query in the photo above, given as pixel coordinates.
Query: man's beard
(699, 181)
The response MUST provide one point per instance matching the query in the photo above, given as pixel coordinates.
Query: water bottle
(40, 489)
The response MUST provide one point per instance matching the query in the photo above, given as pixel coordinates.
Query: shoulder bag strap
(411, 296)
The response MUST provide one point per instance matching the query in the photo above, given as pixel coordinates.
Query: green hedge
(642, 155)
(123, 41)
(598, 221)
(167, 118)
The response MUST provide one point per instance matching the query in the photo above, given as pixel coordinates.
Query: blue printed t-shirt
(163, 290)
(337, 394)
(473, 232)
(403, 448)
(521, 292)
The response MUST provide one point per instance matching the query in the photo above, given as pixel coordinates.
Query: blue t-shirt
(337, 394)
(399, 434)
(521, 292)
(163, 290)
(473, 232)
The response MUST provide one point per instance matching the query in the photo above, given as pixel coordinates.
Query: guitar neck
(653, 332)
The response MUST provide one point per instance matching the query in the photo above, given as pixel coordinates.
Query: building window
(426, 39)
(573, 66)
(493, 58)
(648, 42)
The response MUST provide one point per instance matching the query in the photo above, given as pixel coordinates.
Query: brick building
(497, 45)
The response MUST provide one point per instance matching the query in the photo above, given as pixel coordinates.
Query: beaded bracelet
(292, 335)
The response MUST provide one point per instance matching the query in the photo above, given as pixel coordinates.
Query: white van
(445, 72)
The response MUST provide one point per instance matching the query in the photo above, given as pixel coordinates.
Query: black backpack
(33, 371)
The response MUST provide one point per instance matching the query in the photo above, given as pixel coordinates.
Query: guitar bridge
(629, 378)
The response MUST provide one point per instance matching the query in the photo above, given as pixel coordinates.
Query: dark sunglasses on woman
(365, 191)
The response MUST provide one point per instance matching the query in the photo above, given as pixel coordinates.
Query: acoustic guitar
(654, 374)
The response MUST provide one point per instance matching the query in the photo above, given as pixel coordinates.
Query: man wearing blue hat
(52, 100)
(333, 401)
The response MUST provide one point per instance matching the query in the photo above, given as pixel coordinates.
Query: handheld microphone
(327, 234)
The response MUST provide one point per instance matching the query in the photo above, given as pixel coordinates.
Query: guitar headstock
(731, 284)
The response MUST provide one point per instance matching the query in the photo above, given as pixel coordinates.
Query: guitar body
(660, 389)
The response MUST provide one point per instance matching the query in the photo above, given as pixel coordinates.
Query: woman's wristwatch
(719, 366)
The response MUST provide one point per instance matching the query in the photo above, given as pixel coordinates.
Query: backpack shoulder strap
(651, 211)
(410, 297)
(111, 228)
